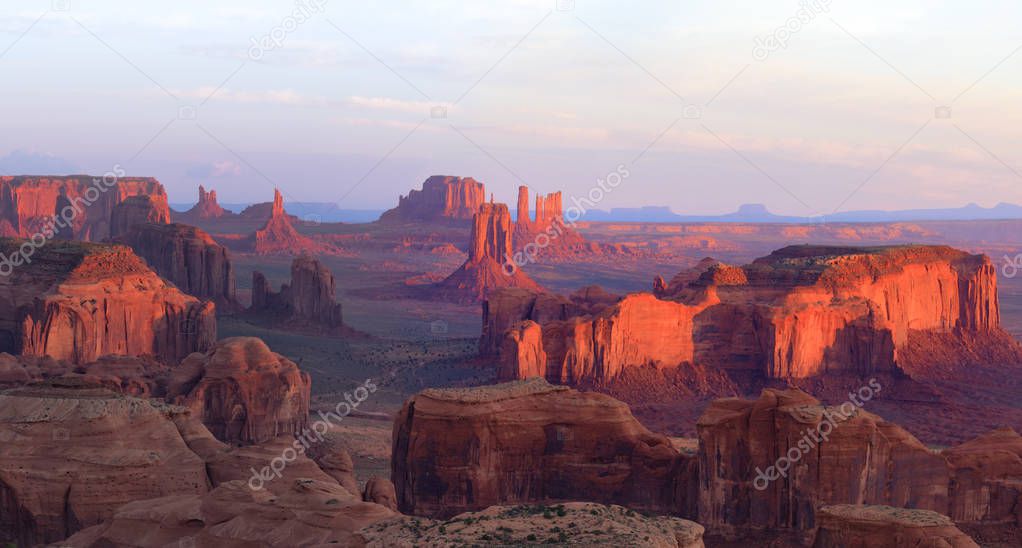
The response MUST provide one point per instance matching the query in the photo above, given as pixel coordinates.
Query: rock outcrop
(77, 206)
(772, 463)
(78, 301)
(136, 210)
(308, 301)
(72, 453)
(856, 526)
(242, 391)
(188, 257)
(442, 199)
(568, 524)
(803, 311)
(278, 235)
(458, 450)
(488, 266)
(547, 234)
(381, 491)
(206, 208)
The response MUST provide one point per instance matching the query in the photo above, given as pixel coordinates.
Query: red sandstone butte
(188, 257)
(28, 203)
(487, 267)
(308, 301)
(442, 198)
(802, 311)
(458, 450)
(278, 236)
(861, 526)
(78, 301)
(548, 234)
(135, 210)
(242, 391)
(206, 208)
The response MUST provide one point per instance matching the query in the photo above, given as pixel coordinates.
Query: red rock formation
(136, 210)
(278, 235)
(523, 219)
(207, 207)
(73, 453)
(78, 301)
(242, 391)
(331, 457)
(487, 267)
(457, 450)
(857, 526)
(442, 198)
(548, 235)
(188, 257)
(801, 312)
(307, 301)
(381, 491)
(29, 204)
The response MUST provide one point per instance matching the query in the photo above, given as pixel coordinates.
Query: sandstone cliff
(28, 204)
(242, 391)
(488, 266)
(442, 199)
(79, 301)
(188, 257)
(460, 450)
(850, 525)
(135, 210)
(308, 301)
(803, 311)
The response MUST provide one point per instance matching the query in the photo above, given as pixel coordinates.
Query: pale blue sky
(842, 117)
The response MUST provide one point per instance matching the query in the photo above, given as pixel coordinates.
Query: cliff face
(442, 198)
(78, 301)
(243, 392)
(187, 256)
(459, 450)
(135, 210)
(28, 204)
(800, 312)
(308, 300)
(489, 252)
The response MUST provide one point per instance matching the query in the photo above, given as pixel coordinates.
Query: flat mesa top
(887, 514)
(497, 392)
(78, 261)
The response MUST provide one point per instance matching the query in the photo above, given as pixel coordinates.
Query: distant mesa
(28, 204)
(489, 263)
(803, 311)
(442, 199)
(308, 302)
(206, 208)
(78, 301)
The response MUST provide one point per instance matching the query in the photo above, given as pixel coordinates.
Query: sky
(808, 108)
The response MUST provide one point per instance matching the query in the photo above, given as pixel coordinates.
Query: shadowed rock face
(28, 204)
(489, 250)
(135, 210)
(72, 453)
(803, 311)
(187, 256)
(307, 301)
(78, 301)
(857, 526)
(242, 391)
(442, 198)
(461, 450)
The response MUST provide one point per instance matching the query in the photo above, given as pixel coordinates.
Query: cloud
(215, 170)
(400, 105)
(20, 162)
(279, 96)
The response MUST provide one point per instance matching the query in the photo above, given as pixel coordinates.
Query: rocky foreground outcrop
(307, 302)
(488, 267)
(442, 199)
(802, 311)
(31, 205)
(772, 463)
(567, 524)
(78, 301)
(458, 450)
(242, 391)
(857, 526)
